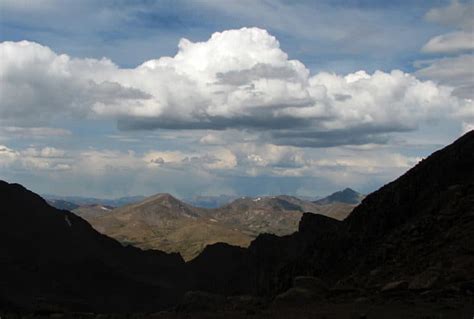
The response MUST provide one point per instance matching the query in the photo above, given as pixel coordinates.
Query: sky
(200, 98)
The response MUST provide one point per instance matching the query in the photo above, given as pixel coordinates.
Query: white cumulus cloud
(237, 79)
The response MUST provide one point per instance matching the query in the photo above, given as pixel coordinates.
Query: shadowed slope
(418, 229)
(52, 259)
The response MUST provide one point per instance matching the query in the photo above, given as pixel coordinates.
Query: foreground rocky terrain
(405, 252)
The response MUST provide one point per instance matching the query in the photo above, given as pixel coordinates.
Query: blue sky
(264, 97)
(325, 35)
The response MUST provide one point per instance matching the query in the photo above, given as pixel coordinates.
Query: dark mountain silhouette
(347, 196)
(52, 260)
(409, 244)
(414, 234)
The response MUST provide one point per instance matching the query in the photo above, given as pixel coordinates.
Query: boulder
(246, 303)
(313, 284)
(344, 287)
(424, 281)
(294, 296)
(395, 286)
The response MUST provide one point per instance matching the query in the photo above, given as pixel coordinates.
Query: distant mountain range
(164, 222)
(62, 204)
(57, 201)
(168, 224)
(348, 196)
(210, 201)
(405, 252)
(90, 211)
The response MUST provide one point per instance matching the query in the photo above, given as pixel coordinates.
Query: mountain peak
(162, 196)
(349, 190)
(161, 199)
(347, 196)
(157, 208)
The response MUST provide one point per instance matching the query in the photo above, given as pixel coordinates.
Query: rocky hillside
(421, 226)
(414, 235)
(168, 224)
(165, 223)
(53, 260)
(210, 201)
(278, 215)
